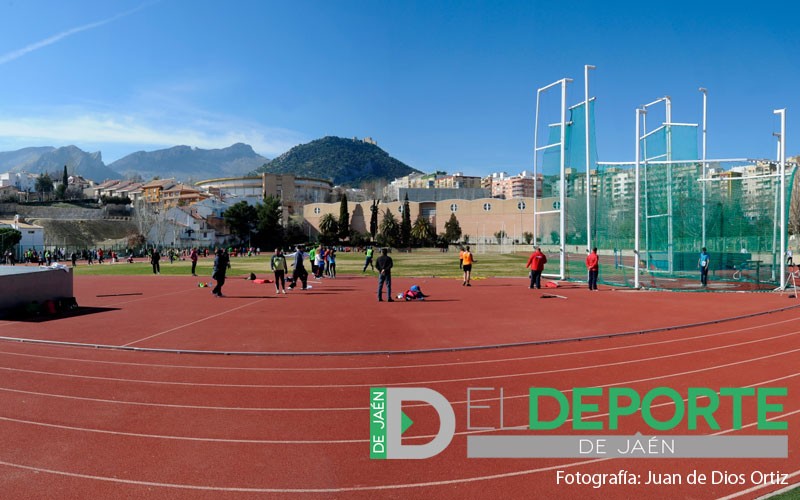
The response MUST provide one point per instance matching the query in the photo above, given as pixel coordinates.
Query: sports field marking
(182, 438)
(193, 322)
(342, 441)
(444, 482)
(407, 383)
(363, 408)
(398, 367)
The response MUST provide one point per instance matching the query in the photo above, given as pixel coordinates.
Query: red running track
(97, 423)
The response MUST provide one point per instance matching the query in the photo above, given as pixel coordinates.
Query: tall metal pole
(639, 113)
(670, 234)
(535, 164)
(705, 98)
(562, 198)
(782, 173)
(586, 69)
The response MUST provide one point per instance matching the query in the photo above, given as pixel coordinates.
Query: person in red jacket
(592, 264)
(536, 263)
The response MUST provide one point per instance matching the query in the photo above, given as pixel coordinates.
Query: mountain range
(181, 162)
(344, 161)
(39, 160)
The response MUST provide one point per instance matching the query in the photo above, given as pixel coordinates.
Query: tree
(344, 219)
(499, 235)
(8, 238)
(269, 230)
(62, 188)
(390, 230)
(241, 218)
(452, 229)
(44, 184)
(373, 220)
(422, 232)
(328, 228)
(527, 237)
(136, 240)
(405, 225)
(294, 232)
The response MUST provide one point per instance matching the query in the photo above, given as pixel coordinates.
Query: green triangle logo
(405, 422)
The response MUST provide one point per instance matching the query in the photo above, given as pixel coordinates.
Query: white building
(20, 180)
(32, 235)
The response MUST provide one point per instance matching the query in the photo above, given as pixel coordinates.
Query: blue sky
(440, 85)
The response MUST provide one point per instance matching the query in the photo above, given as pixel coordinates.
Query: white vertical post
(586, 69)
(562, 197)
(535, 164)
(705, 98)
(782, 173)
(670, 234)
(639, 113)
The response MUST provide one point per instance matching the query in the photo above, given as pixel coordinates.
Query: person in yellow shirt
(467, 260)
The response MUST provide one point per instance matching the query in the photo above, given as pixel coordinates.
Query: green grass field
(420, 263)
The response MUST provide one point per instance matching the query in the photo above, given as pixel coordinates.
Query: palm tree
(390, 230)
(328, 227)
(422, 231)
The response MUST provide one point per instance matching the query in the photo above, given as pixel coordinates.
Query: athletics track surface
(77, 422)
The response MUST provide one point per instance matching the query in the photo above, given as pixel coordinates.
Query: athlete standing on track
(704, 263)
(299, 269)
(278, 265)
(384, 265)
(222, 263)
(536, 263)
(466, 264)
(592, 264)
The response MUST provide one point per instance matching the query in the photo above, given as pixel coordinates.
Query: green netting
(733, 210)
(742, 224)
(574, 144)
(675, 142)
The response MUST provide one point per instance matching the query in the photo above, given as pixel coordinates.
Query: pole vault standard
(640, 112)
(668, 157)
(586, 69)
(705, 100)
(562, 166)
(782, 173)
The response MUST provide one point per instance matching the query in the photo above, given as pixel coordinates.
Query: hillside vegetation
(344, 161)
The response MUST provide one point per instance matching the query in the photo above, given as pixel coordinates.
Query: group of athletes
(323, 263)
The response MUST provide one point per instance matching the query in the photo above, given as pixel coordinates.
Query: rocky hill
(187, 163)
(345, 161)
(52, 160)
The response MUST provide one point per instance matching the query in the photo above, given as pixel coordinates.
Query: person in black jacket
(384, 267)
(155, 259)
(221, 265)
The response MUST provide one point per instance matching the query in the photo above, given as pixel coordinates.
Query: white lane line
(363, 408)
(427, 365)
(223, 313)
(345, 441)
(411, 383)
(444, 482)
(302, 490)
(182, 438)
